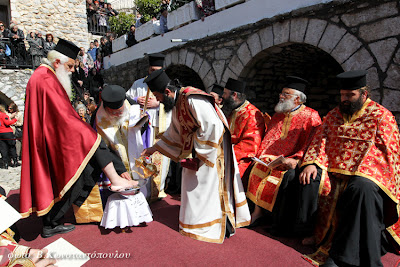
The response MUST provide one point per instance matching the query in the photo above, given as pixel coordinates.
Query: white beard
(119, 120)
(65, 79)
(285, 105)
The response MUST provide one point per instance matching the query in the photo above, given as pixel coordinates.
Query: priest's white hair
(62, 74)
(52, 56)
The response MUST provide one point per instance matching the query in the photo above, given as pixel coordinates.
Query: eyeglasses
(285, 94)
(1, 25)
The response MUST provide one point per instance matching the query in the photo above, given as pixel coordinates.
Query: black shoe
(16, 163)
(329, 263)
(49, 231)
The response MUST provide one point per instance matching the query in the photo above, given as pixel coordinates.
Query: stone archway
(323, 38)
(265, 76)
(186, 75)
(193, 61)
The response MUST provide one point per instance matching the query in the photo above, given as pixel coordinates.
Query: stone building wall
(13, 85)
(64, 18)
(316, 43)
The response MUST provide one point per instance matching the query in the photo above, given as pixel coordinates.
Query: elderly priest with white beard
(278, 190)
(62, 155)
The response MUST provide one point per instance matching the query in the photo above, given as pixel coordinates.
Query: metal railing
(13, 55)
(98, 24)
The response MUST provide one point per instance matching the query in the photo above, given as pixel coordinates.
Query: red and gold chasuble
(247, 127)
(288, 134)
(366, 145)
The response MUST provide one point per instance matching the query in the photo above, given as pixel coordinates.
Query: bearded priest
(246, 123)
(62, 155)
(213, 202)
(358, 145)
(278, 190)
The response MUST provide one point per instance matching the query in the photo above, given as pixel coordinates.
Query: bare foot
(122, 184)
(308, 241)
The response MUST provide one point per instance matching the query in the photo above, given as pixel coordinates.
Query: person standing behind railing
(35, 48)
(18, 52)
(48, 44)
(7, 139)
(3, 30)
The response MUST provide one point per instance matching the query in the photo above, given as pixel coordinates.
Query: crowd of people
(98, 13)
(333, 182)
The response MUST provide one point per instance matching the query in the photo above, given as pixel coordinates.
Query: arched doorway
(186, 76)
(265, 76)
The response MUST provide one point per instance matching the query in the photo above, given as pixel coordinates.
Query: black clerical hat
(296, 83)
(235, 85)
(218, 89)
(113, 96)
(352, 80)
(156, 59)
(157, 81)
(67, 48)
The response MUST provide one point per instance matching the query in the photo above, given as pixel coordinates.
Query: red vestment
(366, 145)
(247, 126)
(57, 144)
(288, 134)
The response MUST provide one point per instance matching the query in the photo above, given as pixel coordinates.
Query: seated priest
(358, 145)
(246, 123)
(277, 190)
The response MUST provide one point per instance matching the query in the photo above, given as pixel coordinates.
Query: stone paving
(10, 178)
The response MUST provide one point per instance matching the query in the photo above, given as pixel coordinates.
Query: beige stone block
(380, 29)
(281, 32)
(175, 57)
(346, 47)
(243, 54)
(209, 80)
(218, 67)
(204, 69)
(331, 37)
(254, 44)
(182, 56)
(189, 59)
(228, 74)
(266, 37)
(361, 60)
(223, 53)
(383, 51)
(393, 77)
(236, 65)
(298, 29)
(315, 30)
(371, 14)
(197, 63)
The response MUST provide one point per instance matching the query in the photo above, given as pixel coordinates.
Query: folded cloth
(126, 210)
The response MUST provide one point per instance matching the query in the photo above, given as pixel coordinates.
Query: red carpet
(160, 244)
